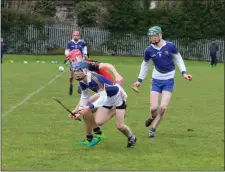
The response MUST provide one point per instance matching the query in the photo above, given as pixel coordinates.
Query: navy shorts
(162, 85)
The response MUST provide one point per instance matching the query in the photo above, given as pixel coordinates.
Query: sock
(89, 137)
(131, 137)
(152, 129)
(97, 130)
(71, 81)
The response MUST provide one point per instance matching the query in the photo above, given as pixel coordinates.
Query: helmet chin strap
(79, 79)
(156, 43)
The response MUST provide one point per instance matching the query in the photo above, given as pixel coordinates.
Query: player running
(110, 95)
(162, 53)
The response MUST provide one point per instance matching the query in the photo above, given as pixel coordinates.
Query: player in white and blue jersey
(110, 95)
(163, 54)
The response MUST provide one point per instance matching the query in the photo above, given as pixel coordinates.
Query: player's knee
(120, 127)
(87, 116)
(153, 110)
(99, 122)
(162, 110)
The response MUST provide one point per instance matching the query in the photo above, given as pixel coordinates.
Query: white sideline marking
(31, 95)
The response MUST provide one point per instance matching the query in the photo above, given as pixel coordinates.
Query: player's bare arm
(119, 79)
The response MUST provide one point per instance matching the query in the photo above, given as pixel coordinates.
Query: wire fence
(56, 36)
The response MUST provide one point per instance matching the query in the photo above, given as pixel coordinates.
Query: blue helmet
(79, 66)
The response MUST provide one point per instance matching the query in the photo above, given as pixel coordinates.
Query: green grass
(39, 136)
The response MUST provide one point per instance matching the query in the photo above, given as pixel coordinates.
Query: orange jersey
(106, 74)
(94, 66)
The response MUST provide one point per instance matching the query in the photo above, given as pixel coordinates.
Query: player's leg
(122, 127)
(167, 90)
(105, 113)
(102, 115)
(71, 82)
(166, 96)
(100, 118)
(95, 126)
(154, 98)
(110, 115)
(90, 125)
(156, 89)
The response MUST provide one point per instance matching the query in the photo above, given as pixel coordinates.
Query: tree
(15, 23)
(123, 16)
(46, 7)
(87, 13)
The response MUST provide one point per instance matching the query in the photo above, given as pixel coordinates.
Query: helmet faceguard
(80, 70)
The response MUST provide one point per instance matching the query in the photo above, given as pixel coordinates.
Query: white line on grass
(31, 95)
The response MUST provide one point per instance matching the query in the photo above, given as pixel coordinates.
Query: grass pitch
(38, 135)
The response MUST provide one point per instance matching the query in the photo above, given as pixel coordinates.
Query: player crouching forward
(111, 95)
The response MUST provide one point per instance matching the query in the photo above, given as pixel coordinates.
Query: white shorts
(116, 100)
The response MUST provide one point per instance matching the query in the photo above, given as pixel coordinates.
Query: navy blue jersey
(162, 58)
(76, 45)
(99, 83)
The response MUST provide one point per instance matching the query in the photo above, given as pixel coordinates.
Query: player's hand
(75, 114)
(137, 84)
(124, 96)
(187, 76)
(119, 79)
(83, 110)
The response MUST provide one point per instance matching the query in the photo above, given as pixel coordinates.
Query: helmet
(74, 54)
(155, 30)
(79, 66)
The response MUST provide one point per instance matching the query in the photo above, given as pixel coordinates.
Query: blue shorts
(162, 85)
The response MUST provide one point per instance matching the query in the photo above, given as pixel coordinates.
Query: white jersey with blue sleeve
(163, 59)
(110, 93)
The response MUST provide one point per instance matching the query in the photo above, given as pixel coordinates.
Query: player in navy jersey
(76, 44)
(110, 95)
(163, 54)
